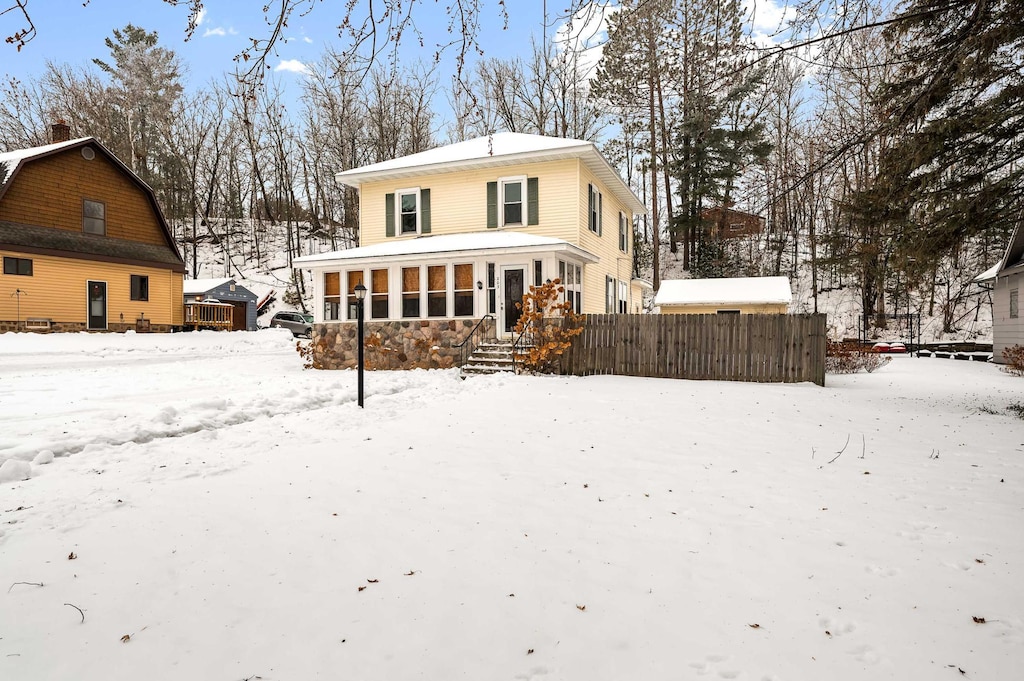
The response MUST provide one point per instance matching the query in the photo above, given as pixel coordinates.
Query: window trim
(87, 217)
(399, 193)
(524, 200)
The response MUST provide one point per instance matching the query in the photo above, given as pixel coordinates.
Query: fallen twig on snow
(28, 583)
(840, 452)
(78, 609)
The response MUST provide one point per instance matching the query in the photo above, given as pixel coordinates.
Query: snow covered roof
(13, 158)
(196, 286)
(758, 290)
(988, 274)
(499, 149)
(445, 244)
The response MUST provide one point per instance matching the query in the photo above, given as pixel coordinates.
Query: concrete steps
(490, 357)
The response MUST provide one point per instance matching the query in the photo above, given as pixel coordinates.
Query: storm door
(513, 280)
(97, 292)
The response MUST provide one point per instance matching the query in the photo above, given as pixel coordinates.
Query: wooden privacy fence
(760, 348)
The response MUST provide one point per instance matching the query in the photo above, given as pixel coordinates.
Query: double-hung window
(623, 233)
(1014, 303)
(609, 297)
(437, 292)
(464, 290)
(595, 207)
(94, 217)
(355, 277)
(332, 296)
(410, 291)
(623, 297)
(513, 200)
(571, 278)
(407, 212)
(379, 294)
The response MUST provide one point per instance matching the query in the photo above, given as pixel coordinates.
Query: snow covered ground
(215, 512)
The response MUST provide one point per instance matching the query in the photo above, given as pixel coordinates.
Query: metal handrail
(464, 353)
(516, 343)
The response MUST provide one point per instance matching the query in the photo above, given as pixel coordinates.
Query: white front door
(512, 285)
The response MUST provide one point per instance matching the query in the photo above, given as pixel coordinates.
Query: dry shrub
(549, 325)
(1014, 356)
(309, 360)
(849, 358)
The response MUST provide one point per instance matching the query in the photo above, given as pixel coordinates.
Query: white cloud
(293, 65)
(586, 34)
(219, 31)
(307, 39)
(200, 17)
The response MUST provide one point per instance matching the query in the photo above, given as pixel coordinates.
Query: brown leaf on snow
(979, 560)
(530, 651)
(373, 581)
(126, 638)
(410, 573)
(361, 588)
(828, 633)
(72, 556)
(755, 625)
(581, 608)
(978, 620)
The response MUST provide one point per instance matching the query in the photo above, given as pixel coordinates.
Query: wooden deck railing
(209, 316)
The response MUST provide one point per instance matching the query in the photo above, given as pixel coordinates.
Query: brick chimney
(60, 132)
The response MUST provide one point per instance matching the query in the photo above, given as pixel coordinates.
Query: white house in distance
(738, 295)
(453, 234)
(1006, 277)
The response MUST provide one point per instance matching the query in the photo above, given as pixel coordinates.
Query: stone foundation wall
(7, 326)
(412, 344)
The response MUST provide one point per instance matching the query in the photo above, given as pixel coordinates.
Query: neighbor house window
(332, 296)
(410, 291)
(379, 294)
(437, 293)
(464, 290)
(595, 205)
(408, 211)
(94, 217)
(1013, 303)
(513, 197)
(19, 266)
(354, 278)
(140, 287)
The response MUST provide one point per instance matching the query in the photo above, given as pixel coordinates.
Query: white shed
(1006, 278)
(737, 295)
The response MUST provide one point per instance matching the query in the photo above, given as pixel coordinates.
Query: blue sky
(67, 32)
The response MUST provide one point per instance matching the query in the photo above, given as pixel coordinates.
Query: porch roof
(448, 246)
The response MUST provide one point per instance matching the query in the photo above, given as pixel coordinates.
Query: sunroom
(436, 280)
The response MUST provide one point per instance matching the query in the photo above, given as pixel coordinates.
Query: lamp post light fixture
(360, 293)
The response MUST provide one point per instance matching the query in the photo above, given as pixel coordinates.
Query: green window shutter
(424, 211)
(590, 208)
(600, 212)
(389, 214)
(492, 205)
(532, 202)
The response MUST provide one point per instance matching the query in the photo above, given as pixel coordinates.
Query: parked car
(298, 323)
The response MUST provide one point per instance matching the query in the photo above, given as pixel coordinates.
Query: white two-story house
(461, 232)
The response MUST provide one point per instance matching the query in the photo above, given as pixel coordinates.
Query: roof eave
(579, 253)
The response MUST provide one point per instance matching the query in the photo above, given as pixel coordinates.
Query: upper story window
(513, 196)
(513, 202)
(595, 208)
(94, 217)
(623, 233)
(407, 212)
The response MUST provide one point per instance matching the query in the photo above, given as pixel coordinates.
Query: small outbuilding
(738, 295)
(219, 303)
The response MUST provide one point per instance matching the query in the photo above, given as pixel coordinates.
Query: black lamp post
(360, 292)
